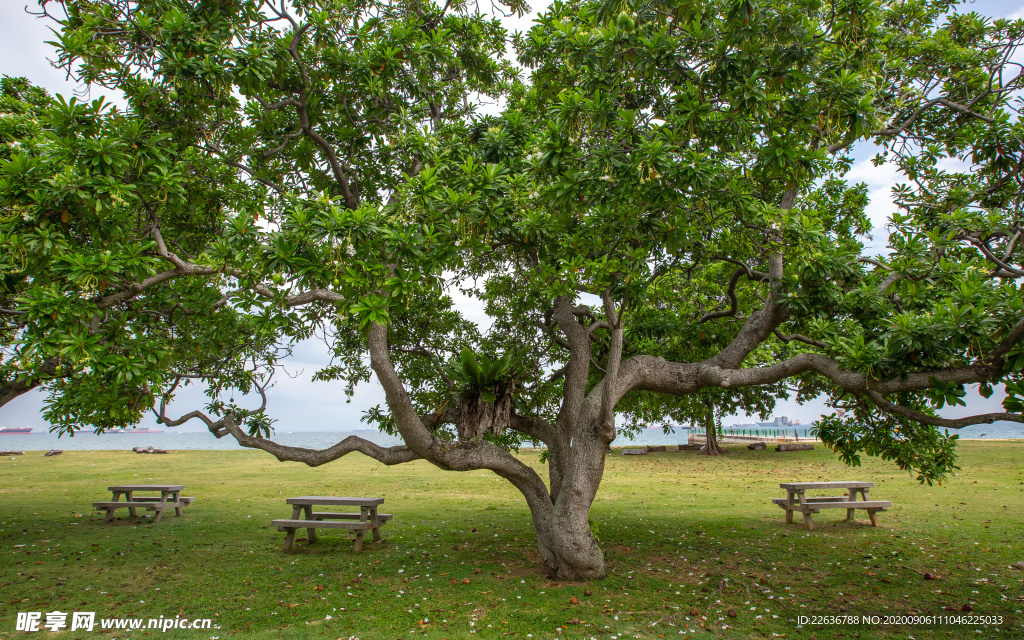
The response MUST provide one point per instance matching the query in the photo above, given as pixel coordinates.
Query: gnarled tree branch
(50, 369)
(936, 421)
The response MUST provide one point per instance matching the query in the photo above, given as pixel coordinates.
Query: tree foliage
(663, 216)
(95, 307)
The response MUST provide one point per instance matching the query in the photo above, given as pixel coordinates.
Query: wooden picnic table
(170, 496)
(796, 500)
(367, 518)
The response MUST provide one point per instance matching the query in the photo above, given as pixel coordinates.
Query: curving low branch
(284, 453)
(936, 421)
(317, 457)
(227, 425)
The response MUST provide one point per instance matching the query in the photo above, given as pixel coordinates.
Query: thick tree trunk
(566, 542)
(711, 447)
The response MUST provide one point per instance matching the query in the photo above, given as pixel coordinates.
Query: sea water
(179, 440)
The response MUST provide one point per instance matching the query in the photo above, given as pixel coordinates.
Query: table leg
(289, 539)
(806, 510)
(296, 511)
(359, 540)
(110, 512)
(789, 507)
(131, 510)
(871, 514)
(376, 524)
(160, 506)
(310, 533)
(177, 503)
(850, 497)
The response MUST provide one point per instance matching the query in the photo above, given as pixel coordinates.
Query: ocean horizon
(186, 440)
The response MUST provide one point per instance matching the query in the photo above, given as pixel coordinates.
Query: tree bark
(576, 554)
(711, 446)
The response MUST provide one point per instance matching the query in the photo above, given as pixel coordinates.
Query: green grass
(684, 534)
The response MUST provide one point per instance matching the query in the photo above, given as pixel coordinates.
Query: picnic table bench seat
(814, 504)
(356, 525)
(149, 504)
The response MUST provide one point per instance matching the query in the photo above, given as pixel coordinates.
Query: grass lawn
(688, 539)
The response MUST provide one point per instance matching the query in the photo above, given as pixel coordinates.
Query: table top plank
(147, 487)
(826, 485)
(335, 500)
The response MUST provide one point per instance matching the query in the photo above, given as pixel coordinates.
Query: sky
(297, 402)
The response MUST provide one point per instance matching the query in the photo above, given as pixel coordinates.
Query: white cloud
(24, 52)
(879, 180)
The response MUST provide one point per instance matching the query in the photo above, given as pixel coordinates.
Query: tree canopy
(94, 306)
(660, 213)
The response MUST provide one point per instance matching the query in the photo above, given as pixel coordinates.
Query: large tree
(656, 142)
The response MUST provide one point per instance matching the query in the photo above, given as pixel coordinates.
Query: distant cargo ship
(133, 431)
(16, 430)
